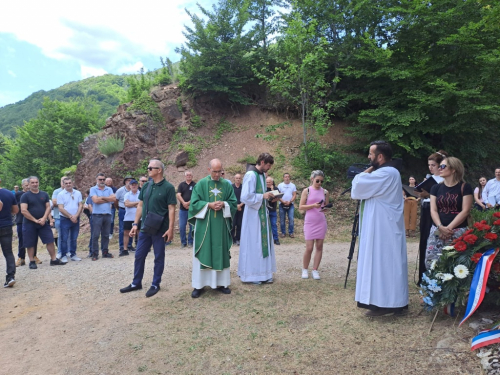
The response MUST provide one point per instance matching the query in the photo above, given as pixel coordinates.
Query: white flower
(448, 276)
(449, 248)
(433, 264)
(461, 271)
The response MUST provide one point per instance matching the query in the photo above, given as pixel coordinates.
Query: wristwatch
(134, 224)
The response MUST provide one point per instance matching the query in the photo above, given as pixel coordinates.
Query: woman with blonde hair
(313, 200)
(451, 202)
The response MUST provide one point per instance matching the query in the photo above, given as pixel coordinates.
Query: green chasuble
(212, 234)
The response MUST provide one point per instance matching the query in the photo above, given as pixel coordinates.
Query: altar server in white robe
(382, 275)
(257, 260)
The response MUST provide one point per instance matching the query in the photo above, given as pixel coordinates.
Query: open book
(276, 193)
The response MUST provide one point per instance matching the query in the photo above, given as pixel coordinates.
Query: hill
(108, 91)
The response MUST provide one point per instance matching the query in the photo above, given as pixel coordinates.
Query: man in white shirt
(287, 208)
(131, 201)
(69, 203)
(491, 192)
(120, 200)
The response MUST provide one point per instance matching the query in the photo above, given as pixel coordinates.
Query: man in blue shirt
(102, 198)
(8, 207)
(120, 199)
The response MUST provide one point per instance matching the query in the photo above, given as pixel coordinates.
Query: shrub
(110, 145)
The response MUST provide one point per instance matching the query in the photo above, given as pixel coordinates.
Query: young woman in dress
(451, 202)
(410, 210)
(478, 194)
(312, 200)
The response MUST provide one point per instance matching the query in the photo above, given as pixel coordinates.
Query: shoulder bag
(153, 222)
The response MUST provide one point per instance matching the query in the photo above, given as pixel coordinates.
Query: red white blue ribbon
(486, 337)
(478, 285)
(449, 309)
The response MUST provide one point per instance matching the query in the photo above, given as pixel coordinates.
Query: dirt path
(73, 320)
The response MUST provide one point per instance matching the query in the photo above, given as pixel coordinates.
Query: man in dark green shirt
(156, 201)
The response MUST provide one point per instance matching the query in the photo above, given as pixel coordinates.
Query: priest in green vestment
(212, 207)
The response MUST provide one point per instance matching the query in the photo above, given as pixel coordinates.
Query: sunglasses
(442, 166)
(222, 173)
(151, 168)
(101, 179)
(144, 181)
(319, 181)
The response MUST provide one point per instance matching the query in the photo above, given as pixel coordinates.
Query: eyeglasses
(319, 181)
(101, 179)
(151, 168)
(222, 173)
(442, 166)
(144, 180)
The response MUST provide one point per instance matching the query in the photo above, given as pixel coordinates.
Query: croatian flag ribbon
(478, 285)
(486, 337)
(449, 309)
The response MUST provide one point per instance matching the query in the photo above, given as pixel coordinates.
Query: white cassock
(382, 276)
(252, 266)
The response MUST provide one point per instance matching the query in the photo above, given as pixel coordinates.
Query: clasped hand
(445, 232)
(216, 206)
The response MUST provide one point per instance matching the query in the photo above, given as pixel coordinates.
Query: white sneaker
(75, 258)
(64, 259)
(58, 255)
(315, 274)
(305, 274)
(110, 236)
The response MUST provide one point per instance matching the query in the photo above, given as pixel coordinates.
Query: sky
(45, 44)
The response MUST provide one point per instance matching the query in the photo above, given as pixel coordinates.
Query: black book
(410, 191)
(426, 185)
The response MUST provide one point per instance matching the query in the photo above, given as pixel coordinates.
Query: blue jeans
(143, 248)
(273, 217)
(100, 227)
(68, 235)
(113, 211)
(57, 224)
(283, 214)
(183, 219)
(121, 215)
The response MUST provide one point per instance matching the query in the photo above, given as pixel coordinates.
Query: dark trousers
(21, 250)
(425, 229)
(113, 212)
(6, 244)
(141, 252)
(68, 233)
(236, 229)
(121, 215)
(100, 227)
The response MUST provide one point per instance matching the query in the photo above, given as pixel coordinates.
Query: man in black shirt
(271, 207)
(21, 250)
(35, 207)
(238, 217)
(184, 191)
(8, 207)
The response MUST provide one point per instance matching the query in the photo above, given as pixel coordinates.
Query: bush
(110, 145)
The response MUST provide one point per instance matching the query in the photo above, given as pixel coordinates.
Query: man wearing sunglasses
(69, 202)
(382, 276)
(102, 197)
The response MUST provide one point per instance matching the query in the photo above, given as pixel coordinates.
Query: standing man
(142, 181)
(157, 209)
(491, 191)
(287, 207)
(184, 191)
(16, 189)
(114, 206)
(102, 198)
(21, 250)
(382, 276)
(57, 221)
(257, 260)
(238, 217)
(35, 207)
(8, 207)
(212, 206)
(271, 207)
(131, 203)
(120, 201)
(69, 202)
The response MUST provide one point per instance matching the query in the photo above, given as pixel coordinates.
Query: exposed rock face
(181, 158)
(144, 139)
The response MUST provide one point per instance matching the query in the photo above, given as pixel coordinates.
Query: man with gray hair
(102, 197)
(184, 191)
(70, 206)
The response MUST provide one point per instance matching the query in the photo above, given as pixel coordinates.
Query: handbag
(153, 222)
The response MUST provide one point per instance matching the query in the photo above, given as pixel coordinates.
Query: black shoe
(152, 291)
(224, 290)
(197, 292)
(277, 242)
(130, 288)
(33, 265)
(9, 283)
(123, 253)
(107, 255)
(95, 258)
(57, 262)
(130, 248)
(237, 243)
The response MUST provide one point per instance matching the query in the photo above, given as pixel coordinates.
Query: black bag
(153, 222)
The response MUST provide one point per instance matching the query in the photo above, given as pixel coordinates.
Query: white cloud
(133, 68)
(87, 71)
(101, 34)
(11, 73)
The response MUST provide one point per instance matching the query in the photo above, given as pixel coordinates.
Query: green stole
(263, 218)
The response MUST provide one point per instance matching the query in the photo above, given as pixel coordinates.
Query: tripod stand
(355, 233)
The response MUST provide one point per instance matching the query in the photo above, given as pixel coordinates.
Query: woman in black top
(451, 202)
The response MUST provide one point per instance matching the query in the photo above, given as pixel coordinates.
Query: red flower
(468, 232)
(483, 222)
(481, 226)
(460, 246)
(496, 222)
(496, 214)
(491, 236)
(458, 239)
(475, 258)
(470, 239)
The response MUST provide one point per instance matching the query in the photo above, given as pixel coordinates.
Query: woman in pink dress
(312, 200)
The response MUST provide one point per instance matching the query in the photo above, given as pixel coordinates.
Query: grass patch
(223, 127)
(235, 169)
(196, 120)
(247, 159)
(111, 145)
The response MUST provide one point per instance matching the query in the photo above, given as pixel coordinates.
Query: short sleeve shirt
(37, 203)
(449, 201)
(8, 199)
(287, 190)
(162, 195)
(120, 196)
(70, 201)
(54, 196)
(101, 208)
(185, 190)
(131, 211)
